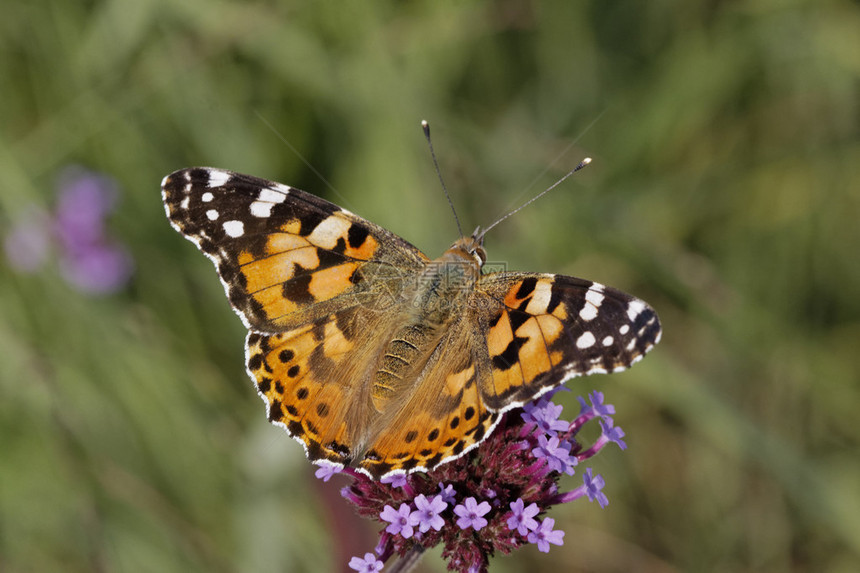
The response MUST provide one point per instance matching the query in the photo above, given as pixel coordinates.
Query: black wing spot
(356, 235)
(527, 287)
(510, 355)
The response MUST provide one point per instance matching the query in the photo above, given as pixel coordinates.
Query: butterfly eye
(480, 254)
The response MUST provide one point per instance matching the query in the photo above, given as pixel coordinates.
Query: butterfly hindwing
(284, 256)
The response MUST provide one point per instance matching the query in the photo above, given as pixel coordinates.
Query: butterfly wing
(538, 330)
(315, 380)
(520, 335)
(442, 418)
(285, 257)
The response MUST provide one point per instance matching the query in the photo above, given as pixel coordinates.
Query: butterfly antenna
(426, 127)
(582, 164)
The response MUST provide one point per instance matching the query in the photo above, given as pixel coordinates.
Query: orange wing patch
(433, 428)
(286, 368)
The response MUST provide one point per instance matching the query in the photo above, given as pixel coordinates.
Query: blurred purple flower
(84, 200)
(89, 260)
(100, 269)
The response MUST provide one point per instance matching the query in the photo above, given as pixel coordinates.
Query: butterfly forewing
(544, 329)
(285, 256)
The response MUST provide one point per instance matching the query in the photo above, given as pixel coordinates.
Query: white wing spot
(184, 203)
(327, 233)
(218, 178)
(608, 341)
(274, 195)
(280, 187)
(634, 309)
(586, 340)
(588, 312)
(593, 300)
(234, 228)
(261, 209)
(631, 345)
(540, 298)
(625, 328)
(212, 214)
(207, 197)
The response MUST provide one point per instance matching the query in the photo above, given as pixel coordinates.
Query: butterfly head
(471, 247)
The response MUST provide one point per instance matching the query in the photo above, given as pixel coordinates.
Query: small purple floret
(522, 521)
(367, 565)
(612, 433)
(428, 511)
(395, 480)
(325, 471)
(556, 453)
(593, 485)
(402, 520)
(544, 535)
(471, 514)
(447, 493)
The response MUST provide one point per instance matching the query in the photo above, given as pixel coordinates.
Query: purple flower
(89, 259)
(98, 269)
(428, 512)
(471, 514)
(84, 200)
(447, 493)
(544, 535)
(593, 487)
(522, 519)
(367, 565)
(395, 480)
(612, 434)
(556, 453)
(325, 471)
(544, 414)
(601, 409)
(402, 520)
(518, 467)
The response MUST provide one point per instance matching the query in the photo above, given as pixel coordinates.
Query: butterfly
(374, 356)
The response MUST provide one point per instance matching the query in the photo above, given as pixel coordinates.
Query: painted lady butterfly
(372, 355)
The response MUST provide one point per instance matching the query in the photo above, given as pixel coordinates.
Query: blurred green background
(725, 191)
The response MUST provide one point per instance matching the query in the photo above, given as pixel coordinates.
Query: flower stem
(409, 561)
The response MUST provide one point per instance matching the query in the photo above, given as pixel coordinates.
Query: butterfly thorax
(436, 299)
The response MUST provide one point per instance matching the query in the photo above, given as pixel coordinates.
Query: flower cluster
(88, 258)
(490, 499)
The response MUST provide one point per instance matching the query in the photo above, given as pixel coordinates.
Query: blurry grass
(724, 191)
